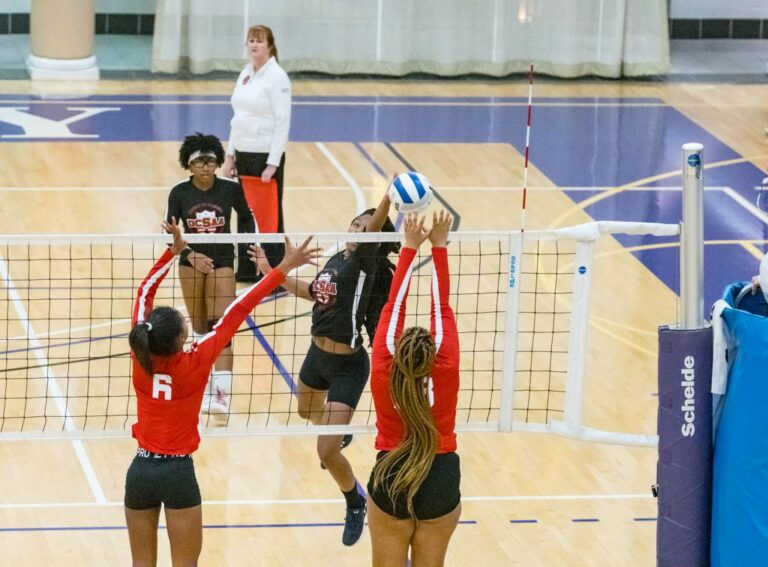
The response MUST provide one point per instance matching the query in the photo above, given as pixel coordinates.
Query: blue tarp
(740, 474)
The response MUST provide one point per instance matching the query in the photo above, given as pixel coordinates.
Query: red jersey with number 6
(169, 401)
(443, 384)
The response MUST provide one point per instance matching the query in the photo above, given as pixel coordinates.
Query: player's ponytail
(158, 336)
(385, 271)
(402, 471)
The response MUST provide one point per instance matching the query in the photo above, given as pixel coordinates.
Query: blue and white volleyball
(410, 192)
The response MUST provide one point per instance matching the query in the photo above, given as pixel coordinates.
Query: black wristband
(186, 252)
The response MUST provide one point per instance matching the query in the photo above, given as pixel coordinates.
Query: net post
(577, 336)
(692, 239)
(514, 270)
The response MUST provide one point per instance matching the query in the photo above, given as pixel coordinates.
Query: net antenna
(527, 148)
(506, 410)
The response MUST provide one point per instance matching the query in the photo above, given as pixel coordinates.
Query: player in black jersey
(203, 204)
(349, 293)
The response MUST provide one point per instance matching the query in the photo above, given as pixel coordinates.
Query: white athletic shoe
(205, 407)
(218, 404)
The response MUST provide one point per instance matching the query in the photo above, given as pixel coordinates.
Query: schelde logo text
(688, 408)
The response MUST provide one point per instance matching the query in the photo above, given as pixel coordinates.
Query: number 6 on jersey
(161, 384)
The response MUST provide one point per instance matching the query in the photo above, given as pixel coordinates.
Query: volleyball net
(522, 303)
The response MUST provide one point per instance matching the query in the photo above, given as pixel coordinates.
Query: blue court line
(287, 378)
(523, 521)
(645, 519)
(584, 520)
(205, 527)
(319, 99)
(370, 160)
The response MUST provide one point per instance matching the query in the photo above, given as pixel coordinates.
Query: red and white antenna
(527, 147)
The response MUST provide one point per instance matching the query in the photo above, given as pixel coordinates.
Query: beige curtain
(563, 38)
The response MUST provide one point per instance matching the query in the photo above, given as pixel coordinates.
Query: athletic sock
(353, 498)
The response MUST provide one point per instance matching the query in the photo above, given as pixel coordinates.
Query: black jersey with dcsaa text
(209, 212)
(342, 291)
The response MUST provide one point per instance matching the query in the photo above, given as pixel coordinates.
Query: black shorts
(219, 261)
(343, 376)
(438, 495)
(154, 479)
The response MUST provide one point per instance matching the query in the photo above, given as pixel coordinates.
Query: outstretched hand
(441, 226)
(296, 256)
(179, 243)
(414, 231)
(257, 255)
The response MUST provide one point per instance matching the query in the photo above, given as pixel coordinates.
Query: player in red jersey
(169, 383)
(414, 498)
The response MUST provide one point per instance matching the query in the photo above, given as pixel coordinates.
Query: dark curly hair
(198, 142)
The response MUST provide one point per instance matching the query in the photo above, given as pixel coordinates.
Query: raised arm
(392, 319)
(211, 345)
(379, 216)
(145, 296)
(443, 321)
(291, 284)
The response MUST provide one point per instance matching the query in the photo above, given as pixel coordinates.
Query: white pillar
(61, 41)
(692, 239)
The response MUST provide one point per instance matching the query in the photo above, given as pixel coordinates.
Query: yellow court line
(602, 324)
(749, 245)
(630, 344)
(754, 250)
(610, 323)
(615, 191)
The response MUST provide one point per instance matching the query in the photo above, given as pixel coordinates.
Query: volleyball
(410, 192)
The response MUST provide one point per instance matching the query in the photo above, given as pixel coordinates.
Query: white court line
(70, 330)
(359, 197)
(314, 501)
(750, 207)
(50, 378)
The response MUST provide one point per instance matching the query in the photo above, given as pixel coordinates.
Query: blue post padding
(740, 482)
(685, 448)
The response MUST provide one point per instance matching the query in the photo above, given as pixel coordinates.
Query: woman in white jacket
(259, 129)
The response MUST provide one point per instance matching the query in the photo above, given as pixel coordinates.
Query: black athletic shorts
(343, 376)
(438, 495)
(223, 255)
(155, 479)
